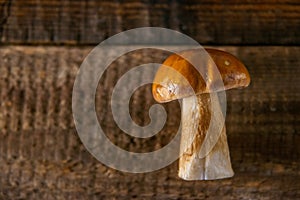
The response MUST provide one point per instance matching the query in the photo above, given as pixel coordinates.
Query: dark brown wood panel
(231, 22)
(41, 155)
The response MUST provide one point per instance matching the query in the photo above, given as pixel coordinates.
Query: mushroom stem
(216, 164)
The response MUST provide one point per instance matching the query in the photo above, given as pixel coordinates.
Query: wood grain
(251, 22)
(41, 155)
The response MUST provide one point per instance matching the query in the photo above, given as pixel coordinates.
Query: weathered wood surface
(270, 22)
(42, 157)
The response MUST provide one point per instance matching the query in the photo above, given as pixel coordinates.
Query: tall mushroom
(196, 107)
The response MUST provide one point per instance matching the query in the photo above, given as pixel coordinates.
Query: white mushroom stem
(196, 117)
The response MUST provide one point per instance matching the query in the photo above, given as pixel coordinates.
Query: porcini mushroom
(196, 107)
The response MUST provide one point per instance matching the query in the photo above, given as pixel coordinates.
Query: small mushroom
(197, 107)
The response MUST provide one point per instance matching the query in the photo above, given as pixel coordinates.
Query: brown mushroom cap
(177, 78)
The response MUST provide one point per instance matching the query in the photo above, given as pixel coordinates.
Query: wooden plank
(233, 22)
(41, 155)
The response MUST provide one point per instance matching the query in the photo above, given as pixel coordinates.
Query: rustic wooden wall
(230, 22)
(43, 44)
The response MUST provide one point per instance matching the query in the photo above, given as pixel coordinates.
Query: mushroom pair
(198, 87)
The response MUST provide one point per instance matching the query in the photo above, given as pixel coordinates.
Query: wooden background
(44, 42)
